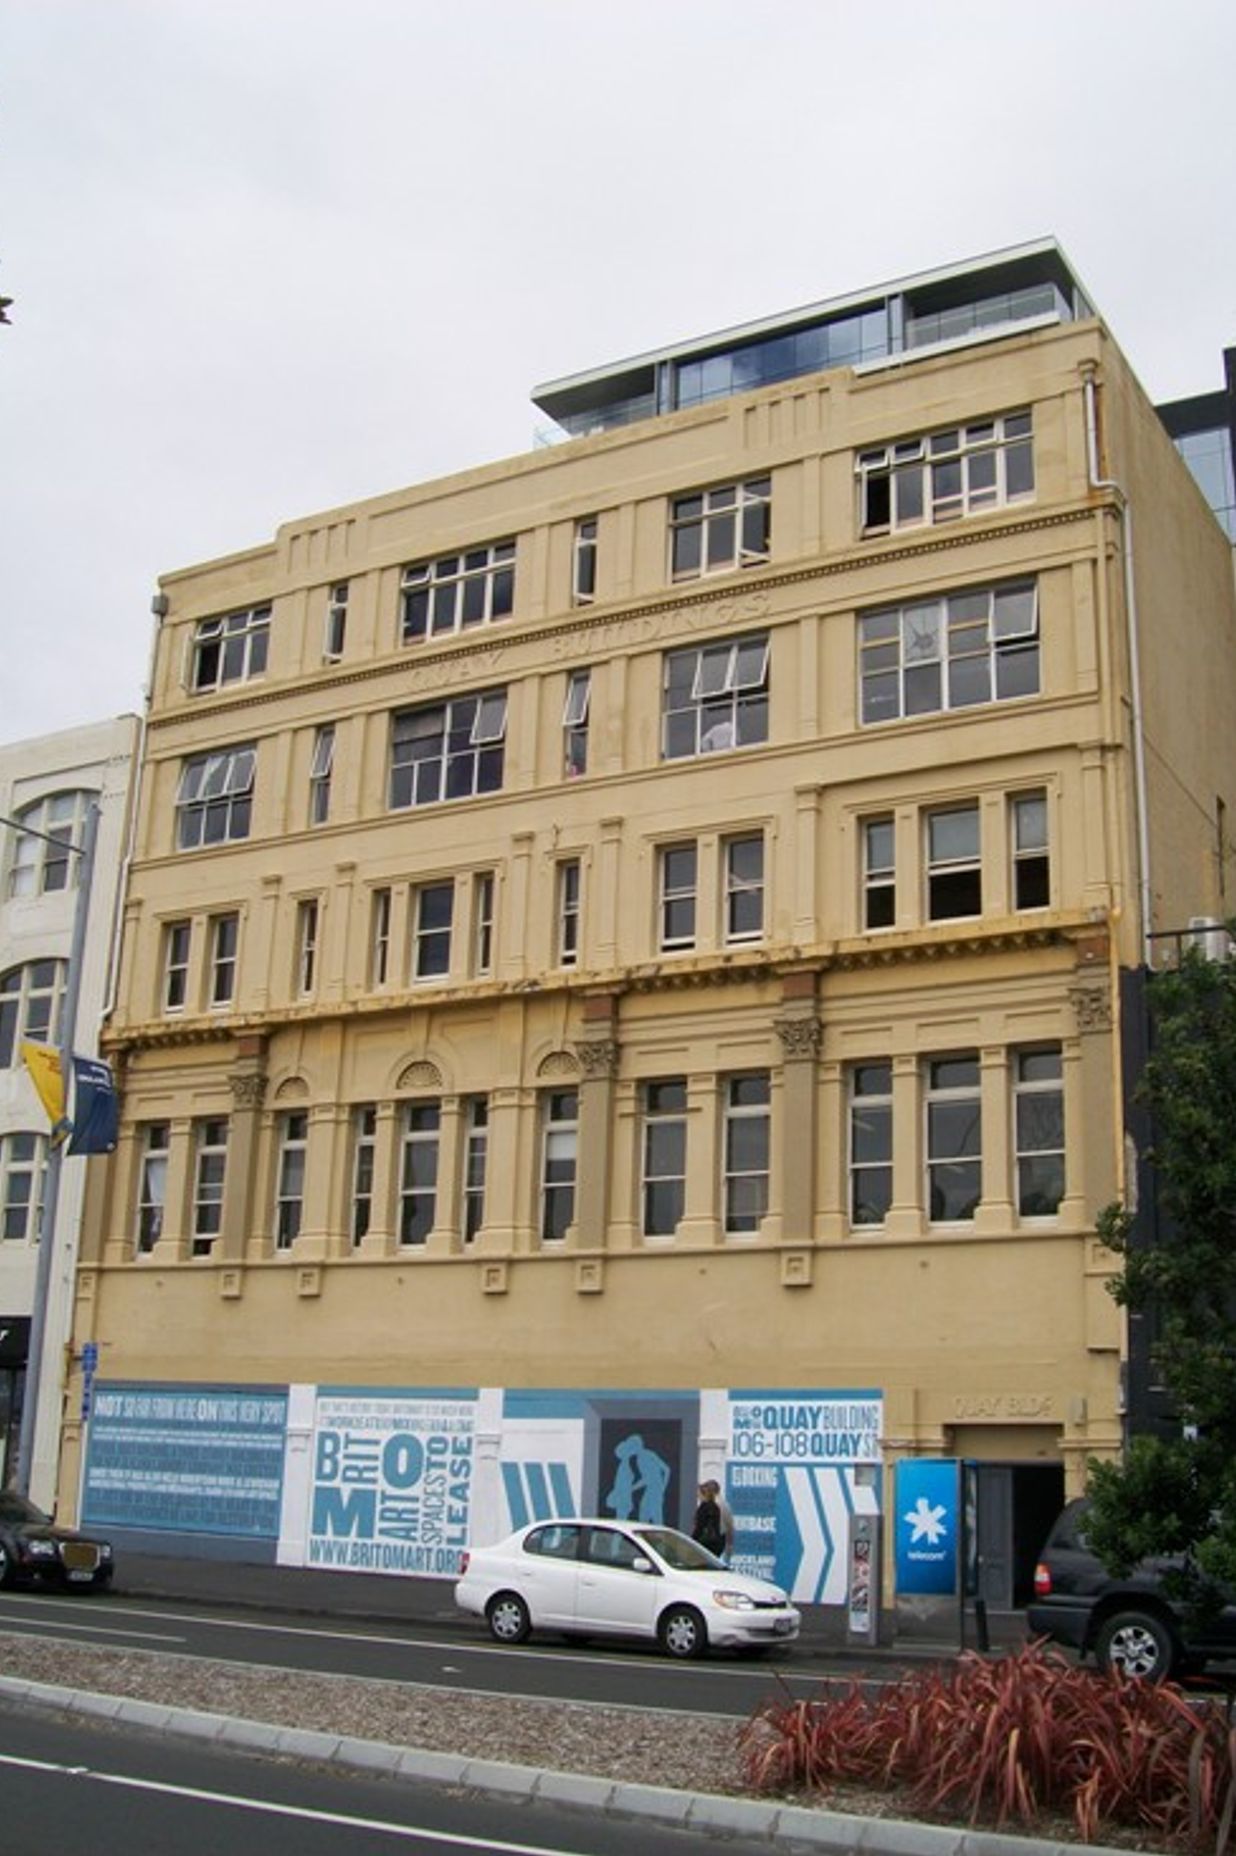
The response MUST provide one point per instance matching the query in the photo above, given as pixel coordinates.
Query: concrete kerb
(787, 1827)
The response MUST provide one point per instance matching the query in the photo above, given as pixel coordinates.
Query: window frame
(721, 706)
(929, 656)
(559, 1145)
(212, 644)
(915, 466)
(945, 873)
(879, 880)
(484, 889)
(483, 751)
(738, 887)
(290, 1177)
(335, 625)
(33, 857)
(418, 1198)
(156, 1147)
(175, 966)
(1031, 862)
(321, 767)
(224, 960)
(474, 587)
(17, 1000)
(364, 1127)
(575, 716)
(584, 562)
(222, 790)
(663, 1122)
(1035, 1089)
(699, 521)
(938, 1158)
(737, 1115)
(16, 1166)
(431, 940)
(209, 1182)
(676, 896)
(308, 934)
(475, 1165)
(568, 910)
(381, 904)
(876, 1106)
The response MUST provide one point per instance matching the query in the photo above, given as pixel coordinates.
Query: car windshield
(15, 1507)
(679, 1552)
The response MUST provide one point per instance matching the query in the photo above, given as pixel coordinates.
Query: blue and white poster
(925, 1525)
(626, 1454)
(391, 1480)
(186, 1459)
(793, 1481)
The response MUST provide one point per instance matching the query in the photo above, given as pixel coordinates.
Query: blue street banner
(96, 1108)
(926, 1520)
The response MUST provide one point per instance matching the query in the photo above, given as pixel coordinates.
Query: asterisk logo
(926, 1522)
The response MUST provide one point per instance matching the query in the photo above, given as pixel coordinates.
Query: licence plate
(81, 1577)
(782, 1627)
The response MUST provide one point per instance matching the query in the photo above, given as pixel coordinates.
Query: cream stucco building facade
(623, 944)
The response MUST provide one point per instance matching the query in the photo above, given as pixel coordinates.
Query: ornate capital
(800, 1037)
(248, 1088)
(598, 1057)
(1093, 1008)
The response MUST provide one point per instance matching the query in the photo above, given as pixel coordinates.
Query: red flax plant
(1009, 1740)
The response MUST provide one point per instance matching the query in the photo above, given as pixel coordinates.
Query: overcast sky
(268, 256)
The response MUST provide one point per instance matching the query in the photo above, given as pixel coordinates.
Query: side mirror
(642, 1565)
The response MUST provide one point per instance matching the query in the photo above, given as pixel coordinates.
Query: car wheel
(1137, 1643)
(509, 1618)
(682, 1632)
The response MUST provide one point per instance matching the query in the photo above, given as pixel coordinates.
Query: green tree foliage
(1178, 1496)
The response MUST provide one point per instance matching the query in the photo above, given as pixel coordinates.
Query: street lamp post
(51, 1198)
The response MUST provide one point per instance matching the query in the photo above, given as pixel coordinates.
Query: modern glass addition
(715, 697)
(966, 648)
(449, 750)
(458, 591)
(1209, 457)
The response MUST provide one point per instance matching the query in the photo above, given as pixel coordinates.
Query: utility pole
(55, 1159)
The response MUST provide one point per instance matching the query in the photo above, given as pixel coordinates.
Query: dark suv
(1127, 1624)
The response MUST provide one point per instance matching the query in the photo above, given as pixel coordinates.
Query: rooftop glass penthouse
(1006, 291)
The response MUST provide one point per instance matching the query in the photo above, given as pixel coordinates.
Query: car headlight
(733, 1601)
(105, 1550)
(41, 1549)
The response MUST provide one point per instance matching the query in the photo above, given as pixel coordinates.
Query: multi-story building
(46, 788)
(621, 958)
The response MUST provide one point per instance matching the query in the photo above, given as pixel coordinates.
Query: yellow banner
(43, 1064)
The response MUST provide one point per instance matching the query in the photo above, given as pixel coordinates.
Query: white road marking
(16, 1628)
(452, 1839)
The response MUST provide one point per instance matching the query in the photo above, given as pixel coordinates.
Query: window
(209, 1173)
(568, 879)
(560, 1124)
(483, 922)
(871, 1142)
(584, 562)
(715, 697)
(177, 938)
(1038, 1123)
(575, 724)
(712, 531)
(380, 937)
(290, 1192)
(447, 750)
(665, 1156)
(215, 798)
(419, 1183)
(959, 472)
(152, 1190)
(747, 1130)
(458, 591)
(31, 1002)
(879, 874)
(306, 944)
(319, 774)
(1031, 868)
(678, 868)
(434, 905)
(954, 1138)
(230, 649)
(954, 868)
(950, 653)
(23, 1175)
(38, 868)
(744, 888)
(476, 1153)
(364, 1152)
(224, 942)
(336, 628)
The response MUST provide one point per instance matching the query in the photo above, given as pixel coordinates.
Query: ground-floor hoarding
(379, 1479)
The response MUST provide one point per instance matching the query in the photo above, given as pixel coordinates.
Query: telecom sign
(926, 1521)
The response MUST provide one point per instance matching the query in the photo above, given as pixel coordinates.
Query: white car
(612, 1579)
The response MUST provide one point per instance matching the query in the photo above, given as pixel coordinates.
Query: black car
(35, 1551)
(1128, 1624)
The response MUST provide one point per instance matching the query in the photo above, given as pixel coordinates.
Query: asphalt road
(453, 1656)
(95, 1789)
